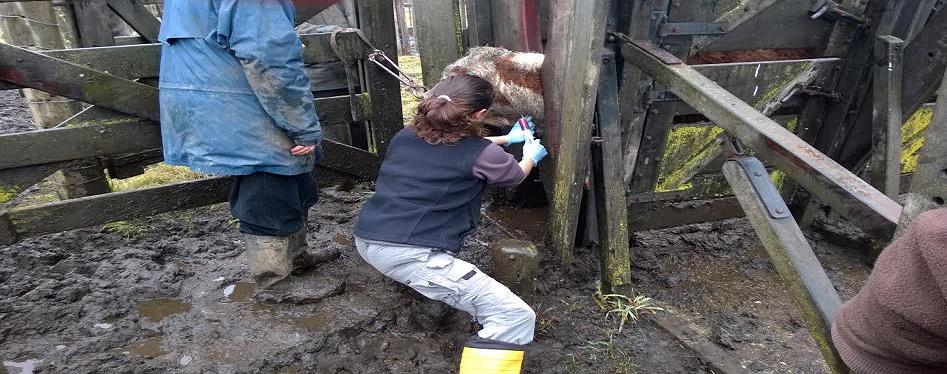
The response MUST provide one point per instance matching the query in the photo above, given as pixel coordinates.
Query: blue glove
(535, 151)
(517, 134)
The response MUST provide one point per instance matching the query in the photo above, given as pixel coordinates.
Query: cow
(516, 78)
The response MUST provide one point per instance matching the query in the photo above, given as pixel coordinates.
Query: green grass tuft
(624, 309)
(409, 103)
(157, 175)
(126, 229)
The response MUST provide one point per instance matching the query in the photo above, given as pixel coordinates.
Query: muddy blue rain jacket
(234, 97)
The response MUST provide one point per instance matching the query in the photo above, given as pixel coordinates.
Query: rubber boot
(269, 258)
(485, 356)
(304, 259)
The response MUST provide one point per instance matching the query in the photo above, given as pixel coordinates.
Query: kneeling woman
(427, 199)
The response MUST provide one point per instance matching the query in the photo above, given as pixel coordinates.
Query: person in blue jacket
(235, 101)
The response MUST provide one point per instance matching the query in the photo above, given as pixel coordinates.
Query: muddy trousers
(438, 275)
(271, 204)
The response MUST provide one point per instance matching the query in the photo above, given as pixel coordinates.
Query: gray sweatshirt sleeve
(497, 167)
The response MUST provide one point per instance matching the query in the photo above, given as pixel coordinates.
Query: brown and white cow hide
(516, 78)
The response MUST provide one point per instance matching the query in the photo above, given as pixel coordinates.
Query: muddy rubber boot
(304, 259)
(485, 356)
(269, 258)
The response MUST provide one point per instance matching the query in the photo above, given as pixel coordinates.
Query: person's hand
(302, 150)
(517, 134)
(535, 151)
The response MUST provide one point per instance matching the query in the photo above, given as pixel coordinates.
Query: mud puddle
(148, 348)
(156, 310)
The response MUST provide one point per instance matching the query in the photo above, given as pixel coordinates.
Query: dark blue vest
(426, 195)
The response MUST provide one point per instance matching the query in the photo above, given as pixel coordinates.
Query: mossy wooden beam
(612, 209)
(109, 137)
(928, 188)
(796, 263)
(570, 83)
(844, 191)
(885, 166)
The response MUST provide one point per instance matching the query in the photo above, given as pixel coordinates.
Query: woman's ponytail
(447, 115)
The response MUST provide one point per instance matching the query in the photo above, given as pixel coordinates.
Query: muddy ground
(171, 294)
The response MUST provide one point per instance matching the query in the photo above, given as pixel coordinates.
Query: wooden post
(377, 20)
(610, 188)
(437, 32)
(885, 168)
(516, 25)
(479, 24)
(570, 82)
(404, 41)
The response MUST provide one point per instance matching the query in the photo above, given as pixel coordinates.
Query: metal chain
(416, 89)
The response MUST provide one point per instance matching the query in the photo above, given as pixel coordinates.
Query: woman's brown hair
(448, 114)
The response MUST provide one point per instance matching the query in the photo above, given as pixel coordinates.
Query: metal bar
(796, 263)
(928, 188)
(848, 194)
(611, 207)
(138, 17)
(570, 78)
(886, 145)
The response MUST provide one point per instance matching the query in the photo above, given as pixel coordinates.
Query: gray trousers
(439, 276)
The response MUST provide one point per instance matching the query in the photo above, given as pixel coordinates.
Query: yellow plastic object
(490, 361)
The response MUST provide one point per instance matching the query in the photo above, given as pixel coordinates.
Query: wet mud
(177, 298)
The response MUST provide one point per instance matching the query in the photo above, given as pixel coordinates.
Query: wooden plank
(928, 189)
(377, 19)
(306, 9)
(885, 167)
(611, 207)
(480, 23)
(138, 17)
(708, 352)
(114, 136)
(669, 211)
(795, 261)
(851, 196)
(634, 84)
(648, 157)
(95, 210)
(570, 78)
(92, 23)
(437, 32)
(22, 67)
(142, 61)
